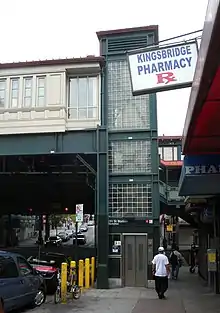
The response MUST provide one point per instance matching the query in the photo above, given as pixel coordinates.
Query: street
(90, 238)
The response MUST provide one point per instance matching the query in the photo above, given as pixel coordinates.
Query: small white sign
(115, 249)
(117, 243)
(163, 68)
(79, 213)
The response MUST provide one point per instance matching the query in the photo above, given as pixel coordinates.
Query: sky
(45, 29)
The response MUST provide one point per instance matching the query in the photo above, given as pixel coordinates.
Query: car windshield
(53, 238)
(62, 234)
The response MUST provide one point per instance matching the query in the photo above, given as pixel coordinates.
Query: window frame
(174, 152)
(95, 104)
(11, 92)
(28, 265)
(4, 90)
(24, 91)
(37, 91)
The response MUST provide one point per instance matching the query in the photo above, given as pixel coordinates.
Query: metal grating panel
(124, 44)
(130, 200)
(124, 110)
(131, 156)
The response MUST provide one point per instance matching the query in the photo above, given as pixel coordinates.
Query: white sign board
(79, 213)
(162, 68)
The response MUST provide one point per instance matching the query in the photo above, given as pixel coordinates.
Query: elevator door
(135, 260)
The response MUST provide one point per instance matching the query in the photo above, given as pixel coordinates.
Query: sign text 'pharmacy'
(202, 169)
(163, 68)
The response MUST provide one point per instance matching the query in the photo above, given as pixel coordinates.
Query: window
(24, 267)
(27, 98)
(14, 92)
(8, 268)
(160, 152)
(130, 200)
(175, 154)
(2, 92)
(168, 153)
(124, 110)
(83, 98)
(131, 156)
(41, 91)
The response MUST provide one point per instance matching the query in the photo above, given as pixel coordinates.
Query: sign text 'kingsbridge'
(163, 67)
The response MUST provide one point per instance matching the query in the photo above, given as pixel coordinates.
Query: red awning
(201, 133)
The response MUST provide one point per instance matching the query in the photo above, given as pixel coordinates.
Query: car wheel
(40, 297)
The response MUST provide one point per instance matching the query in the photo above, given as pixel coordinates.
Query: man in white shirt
(161, 271)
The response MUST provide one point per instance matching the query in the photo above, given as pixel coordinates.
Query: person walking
(176, 261)
(161, 271)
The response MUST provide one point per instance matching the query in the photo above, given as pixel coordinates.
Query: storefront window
(115, 244)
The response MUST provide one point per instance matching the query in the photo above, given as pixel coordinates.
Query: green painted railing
(170, 193)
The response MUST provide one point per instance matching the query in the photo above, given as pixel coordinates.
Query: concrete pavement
(187, 295)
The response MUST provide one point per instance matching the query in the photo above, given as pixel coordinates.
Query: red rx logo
(165, 78)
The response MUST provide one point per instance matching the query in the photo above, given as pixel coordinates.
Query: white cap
(161, 249)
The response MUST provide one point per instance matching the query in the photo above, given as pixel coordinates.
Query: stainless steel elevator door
(135, 260)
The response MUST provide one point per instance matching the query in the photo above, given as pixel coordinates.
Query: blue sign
(202, 165)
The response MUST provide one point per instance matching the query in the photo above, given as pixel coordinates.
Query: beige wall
(52, 117)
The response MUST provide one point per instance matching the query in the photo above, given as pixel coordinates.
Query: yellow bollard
(81, 273)
(87, 274)
(72, 270)
(63, 282)
(92, 271)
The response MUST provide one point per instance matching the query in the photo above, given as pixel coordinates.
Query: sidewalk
(187, 295)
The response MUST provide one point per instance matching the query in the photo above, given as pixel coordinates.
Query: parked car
(63, 235)
(47, 268)
(20, 284)
(81, 239)
(91, 223)
(54, 241)
(83, 228)
(69, 233)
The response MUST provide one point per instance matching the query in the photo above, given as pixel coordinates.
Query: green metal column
(102, 222)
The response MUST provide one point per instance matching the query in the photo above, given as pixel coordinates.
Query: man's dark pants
(161, 285)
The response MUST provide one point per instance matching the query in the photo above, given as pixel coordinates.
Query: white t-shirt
(160, 260)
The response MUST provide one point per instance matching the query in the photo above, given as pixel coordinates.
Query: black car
(81, 239)
(54, 241)
(63, 235)
(47, 268)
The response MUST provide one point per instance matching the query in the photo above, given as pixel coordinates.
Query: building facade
(85, 107)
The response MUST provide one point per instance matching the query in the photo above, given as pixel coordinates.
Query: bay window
(83, 98)
(41, 82)
(27, 92)
(2, 92)
(14, 92)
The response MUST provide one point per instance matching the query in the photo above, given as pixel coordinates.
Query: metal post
(76, 250)
(216, 280)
